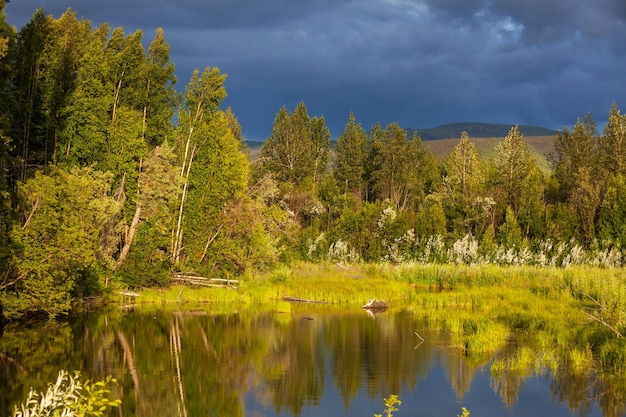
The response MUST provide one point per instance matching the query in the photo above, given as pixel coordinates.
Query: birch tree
(201, 102)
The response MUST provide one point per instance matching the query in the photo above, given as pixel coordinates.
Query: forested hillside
(111, 178)
(476, 130)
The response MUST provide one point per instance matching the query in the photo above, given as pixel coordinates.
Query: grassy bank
(577, 314)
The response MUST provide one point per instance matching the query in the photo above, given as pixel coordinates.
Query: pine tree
(159, 94)
(351, 157)
(511, 166)
(402, 168)
(298, 147)
(574, 150)
(464, 172)
(612, 144)
(612, 213)
(28, 115)
(464, 181)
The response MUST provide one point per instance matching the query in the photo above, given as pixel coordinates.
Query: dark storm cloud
(420, 63)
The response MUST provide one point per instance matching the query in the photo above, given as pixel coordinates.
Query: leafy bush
(69, 397)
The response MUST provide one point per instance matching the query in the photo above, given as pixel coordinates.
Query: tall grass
(571, 318)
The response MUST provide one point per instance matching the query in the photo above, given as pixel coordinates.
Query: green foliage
(351, 158)
(511, 167)
(148, 263)
(612, 214)
(510, 232)
(214, 174)
(612, 144)
(218, 176)
(464, 171)
(574, 150)
(585, 200)
(83, 138)
(390, 406)
(60, 240)
(79, 96)
(69, 397)
(402, 169)
(297, 150)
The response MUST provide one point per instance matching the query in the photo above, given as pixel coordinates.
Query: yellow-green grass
(486, 309)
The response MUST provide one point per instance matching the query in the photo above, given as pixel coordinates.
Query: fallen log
(303, 300)
(206, 282)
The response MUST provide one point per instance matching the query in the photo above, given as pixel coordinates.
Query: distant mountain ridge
(477, 130)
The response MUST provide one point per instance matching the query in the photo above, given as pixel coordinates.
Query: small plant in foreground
(69, 397)
(390, 406)
(464, 412)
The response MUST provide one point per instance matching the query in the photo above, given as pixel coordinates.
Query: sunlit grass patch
(580, 361)
(523, 361)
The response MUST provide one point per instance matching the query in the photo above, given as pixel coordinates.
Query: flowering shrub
(340, 252)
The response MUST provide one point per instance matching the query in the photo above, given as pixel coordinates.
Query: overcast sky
(420, 63)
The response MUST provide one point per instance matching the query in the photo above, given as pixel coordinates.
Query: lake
(311, 361)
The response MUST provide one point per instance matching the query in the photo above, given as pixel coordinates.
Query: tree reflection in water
(314, 361)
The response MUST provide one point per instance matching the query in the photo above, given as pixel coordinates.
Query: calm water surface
(311, 362)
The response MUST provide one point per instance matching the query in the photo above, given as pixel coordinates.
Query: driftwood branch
(420, 338)
(599, 318)
(602, 322)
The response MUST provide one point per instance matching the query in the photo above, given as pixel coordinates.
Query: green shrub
(69, 397)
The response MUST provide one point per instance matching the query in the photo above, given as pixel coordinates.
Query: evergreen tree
(403, 168)
(351, 158)
(585, 199)
(28, 115)
(612, 213)
(511, 167)
(532, 208)
(203, 96)
(464, 172)
(297, 148)
(464, 181)
(612, 144)
(218, 177)
(144, 258)
(510, 232)
(575, 150)
(320, 138)
(159, 94)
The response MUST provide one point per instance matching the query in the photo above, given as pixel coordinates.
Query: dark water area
(312, 361)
